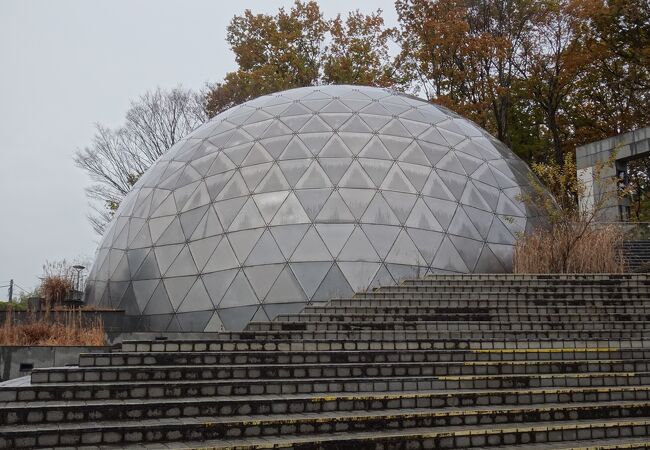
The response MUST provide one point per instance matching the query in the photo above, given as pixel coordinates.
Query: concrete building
(627, 147)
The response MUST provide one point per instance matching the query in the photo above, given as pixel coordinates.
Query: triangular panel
(285, 289)
(214, 324)
(448, 258)
(357, 200)
(177, 289)
(182, 265)
(239, 293)
(208, 226)
(217, 283)
(381, 237)
(335, 210)
(404, 251)
(311, 248)
(222, 258)
(461, 225)
(197, 299)
(314, 177)
(334, 285)
(400, 203)
(359, 274)
(469, 250)
(265, 251)
(422, 217)
(202, 249)
(291, 212)
(262, 278)
(312, 200)
(247, 218)
(379, 212)
(288, 237)
(159, 302)
(236, 319)
(310, 275)
(356, 177)
(358, 248)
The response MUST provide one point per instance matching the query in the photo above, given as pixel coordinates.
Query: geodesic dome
(304, 195)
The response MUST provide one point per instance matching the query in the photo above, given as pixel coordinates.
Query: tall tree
(612, 96)
(499, 28)
(273, 53)
(553, 60)
(116, 158)
(299, 47)
(463, 53)
(358, 51)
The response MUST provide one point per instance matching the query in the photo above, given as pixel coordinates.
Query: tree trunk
(555, 134)
(501, 114)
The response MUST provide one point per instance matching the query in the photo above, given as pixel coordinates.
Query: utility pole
(11, 289)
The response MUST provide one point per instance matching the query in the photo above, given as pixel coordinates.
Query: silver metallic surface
(304, 195)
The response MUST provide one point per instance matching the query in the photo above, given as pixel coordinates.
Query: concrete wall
(15, 358)
(628, 146)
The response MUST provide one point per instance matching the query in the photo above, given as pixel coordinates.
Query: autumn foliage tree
(300, 47)
(543, 76)
(357, 52)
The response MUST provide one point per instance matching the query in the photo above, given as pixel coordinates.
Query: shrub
(65, 328)
(571, 241)
(55, 289)
(559, 250)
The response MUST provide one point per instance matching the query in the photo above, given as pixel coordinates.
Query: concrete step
(124, 390)
(51, 412)
(122, 359)
(376, 339)
(408, 440)
(421, 439)
(548, 423)
(371, 309)
(515, 277)
(530, 361)
(534, 296)
(493, 301)
(484, 326)
(540, 287)
(329, 370)
(494, 316)
(35, 412)
(543, 285)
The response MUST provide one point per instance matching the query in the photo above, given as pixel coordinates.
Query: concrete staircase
(637, 255)
(470, 361)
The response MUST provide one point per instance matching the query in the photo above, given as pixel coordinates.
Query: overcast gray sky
(65, 65)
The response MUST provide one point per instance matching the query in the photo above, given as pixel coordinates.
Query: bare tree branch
(115, 159)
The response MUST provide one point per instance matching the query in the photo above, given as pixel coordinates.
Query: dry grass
(64, 328)
(55, 288)
(570, 249)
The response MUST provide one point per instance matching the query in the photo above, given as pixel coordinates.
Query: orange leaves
(358, 51)
(287, 50)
